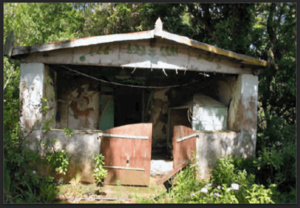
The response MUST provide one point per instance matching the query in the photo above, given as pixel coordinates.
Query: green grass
(126, 194)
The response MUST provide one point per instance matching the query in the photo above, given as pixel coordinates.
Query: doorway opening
(128, 106)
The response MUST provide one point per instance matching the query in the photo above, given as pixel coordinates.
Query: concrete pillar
(37, 81)
(50, 93)
(243, 113)
(31, 92)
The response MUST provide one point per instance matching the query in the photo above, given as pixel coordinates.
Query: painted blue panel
(106, 112)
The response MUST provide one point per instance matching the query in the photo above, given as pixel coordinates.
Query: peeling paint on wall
(31, 93)
(80, 148)
(213, 145)
(83, 108)
(50, 95)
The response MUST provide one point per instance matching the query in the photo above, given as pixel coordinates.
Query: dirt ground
(77, 192)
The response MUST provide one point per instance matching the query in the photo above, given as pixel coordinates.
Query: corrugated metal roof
(157, 32)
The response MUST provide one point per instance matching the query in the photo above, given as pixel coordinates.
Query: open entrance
(104, 98)
(128, 106)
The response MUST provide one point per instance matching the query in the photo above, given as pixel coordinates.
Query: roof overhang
(144, 35)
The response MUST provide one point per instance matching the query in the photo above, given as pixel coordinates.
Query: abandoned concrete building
(138, 97)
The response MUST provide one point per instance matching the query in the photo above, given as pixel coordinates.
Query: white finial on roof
(158, 25)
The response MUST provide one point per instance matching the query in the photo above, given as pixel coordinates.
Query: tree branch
(8, 79)
(270, 26)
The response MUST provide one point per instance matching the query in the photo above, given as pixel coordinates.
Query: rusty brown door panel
(127, 151)
(184, 145)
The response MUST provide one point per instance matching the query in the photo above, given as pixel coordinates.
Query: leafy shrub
(69, 132)
(227, 184)
(22, 183)
(99, 172)
(59, 160)
(276, 156)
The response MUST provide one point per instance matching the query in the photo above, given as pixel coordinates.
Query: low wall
(218, 144)
(82, 145)
(80, 148)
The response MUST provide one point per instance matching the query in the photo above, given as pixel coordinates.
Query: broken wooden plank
(172, 174)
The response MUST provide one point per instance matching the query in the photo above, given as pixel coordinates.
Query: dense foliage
(262, 30)
(229, 184)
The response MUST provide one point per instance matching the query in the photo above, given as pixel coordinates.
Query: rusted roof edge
(87, 41)
(210, 48)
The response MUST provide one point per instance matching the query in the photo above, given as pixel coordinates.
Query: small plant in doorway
(99, 172)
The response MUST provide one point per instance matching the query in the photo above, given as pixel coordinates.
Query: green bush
(22, 182)
(59, 160)
(276, 156)
(227, 185)
(99, 172)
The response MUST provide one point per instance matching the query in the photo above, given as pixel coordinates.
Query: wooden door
(184, 145)
(127, 151)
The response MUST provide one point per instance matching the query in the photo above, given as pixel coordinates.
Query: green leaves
(59, 160)
(233, 27)
(99, 172)
(69, 132)
(228, 184)
(257, 194)
(44, 22)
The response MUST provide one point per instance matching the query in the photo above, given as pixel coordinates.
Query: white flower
(235, 186)
(62, 150)
(219, 187)
(229, 189)
(204, 190)
(208, 185)
(34, 172)
(97, 169)
(192, 194)
(217, 194)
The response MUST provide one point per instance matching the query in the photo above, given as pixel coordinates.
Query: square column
(31, 93)
(36, 82)
(243, 113)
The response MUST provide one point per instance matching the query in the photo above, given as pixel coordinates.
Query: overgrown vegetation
(228, 185)
(99, 172)
(22, 181)
(262, 30)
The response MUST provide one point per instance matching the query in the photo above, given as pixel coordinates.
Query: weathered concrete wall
(50, 94)
(243, 109)
(241, 96)
(218, 144)
(80, 148)
(31, 92)
(213, 145)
